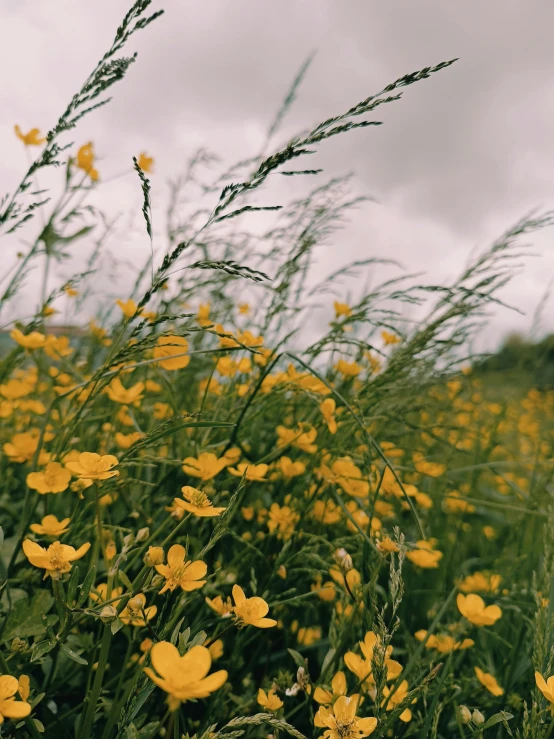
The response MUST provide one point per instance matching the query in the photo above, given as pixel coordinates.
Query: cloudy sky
(458, 160)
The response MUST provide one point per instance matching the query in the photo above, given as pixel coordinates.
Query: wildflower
(546, 688)
(390, 339)
(203, 315)
(9, 707)
(57, 347)
(24, 686)
(172, 351)
(480, 582)
(50, 526)
(327, 408)
(91, 466)
(252, 472)
(386, 545)
(489, 682)
(244, 308)
(145, 162)
(154, 556)
(282, 519)
(473, 608)
(221, 607)
(342, 309)
(70, 291)
(269, 700)
(128, 307)
(85, 160)
(443, 643)
(205, 466)
(135, 612)
(53, 479)
(117, 392)
(183, 678)
(363, 667)
(197, 502)
(34, 340)
(425, 556)
(56, 560)
(348, 369)
(338, 688)
(341, 722)
(31, 138)
(303, 439)
(432, 469)
(347, 475)
(289, 468)
(215, 648)
(327, 512)
(251, 611)
(391, 701)
(182, 573)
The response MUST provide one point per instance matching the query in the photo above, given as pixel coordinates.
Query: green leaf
(496, 719)
(116, 625)
(125, 580)
(297, 657)
(73, 655)
(41, 648)
(327, 660)
(86, 586)
(25, 618)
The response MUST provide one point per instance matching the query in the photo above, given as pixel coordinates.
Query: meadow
(218, 525)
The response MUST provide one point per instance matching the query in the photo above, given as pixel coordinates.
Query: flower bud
(18, 645)
(154, 556)
(478, 718)
(464, 715)
(108, 614)
(343, 559)
(142, 534)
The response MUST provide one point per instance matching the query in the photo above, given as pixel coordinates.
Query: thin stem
(92, 699)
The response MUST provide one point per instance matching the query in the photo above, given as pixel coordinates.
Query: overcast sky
(458, 160)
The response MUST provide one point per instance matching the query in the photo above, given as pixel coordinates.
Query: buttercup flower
(327, 408)
(251, 611)
(546, 688)
(34, 340)
(50, 526)
(205, 466)
(389, 338)
(489, 682)
(128, 307)
(91, 466)
(31, 138)
(338, 688)
(197, 502)
(396, 698)
(473, 608)
(179, 572)
(117, 392)
(221, 607)
(425, 556)
(85, 160)
(9, 707)
(145, 162)
(252, 472)
(269, 700)
(183, 678)
(135, 612)
(53, 479)
(342, 309)
(56, 560)
(341, 722)
(171, 350)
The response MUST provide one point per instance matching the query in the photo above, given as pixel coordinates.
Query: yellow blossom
(546, 688)
(489, 682)
(91, 466)
(338, 688)
(251, 611)
(424, 555)
(53, 479)
(117, 392)
(327, 408)
(341, 722)
(183, 678)
(145, 162)
(197, 502)
(473, 608)
(221, 607)
(269, 700)
(342, 309)
(31, 138)
(171, 350)
(391, 700)
(50, 526)
(179, 572)
(85, 160)
(348, 369)
(56, 560)
(9, 707)
(389, 338)
(252, 472)
(34, 340)
(281, 520)
(205, 466)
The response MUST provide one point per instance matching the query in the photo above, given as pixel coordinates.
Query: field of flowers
(214, 528)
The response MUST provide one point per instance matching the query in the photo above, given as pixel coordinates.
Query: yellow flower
(91, 466)
(24, 686)
(443, 643)
(303, 439)
(473, 608)
(546, 688)
(489, 682)
(363, 667)
(154, 556)
(480, 582)
(182, 573)
(85, 160)
(171, 350)
(251, 611)
(56, 560)
(396, 699)
(345, 473)
(282, 520)
(135, 612)
(34, 340)
(205, 466)
(128, 307)
(244, 309)
(54, 479)
(117, 392)
(203, 315)
(183, 678)
(432, 469)
(342, 309)
(425, 556)
(9, 707)
(50, 526)
(197, 502)
(31, 138)
(327, 408)
(338, 688)
(389, 338)
(145, 162)
(70, 291)
(221, 607)
(386, 545)
(252, 472)
(348, 369)
(269, 700)
(57, 346)
(341, 722)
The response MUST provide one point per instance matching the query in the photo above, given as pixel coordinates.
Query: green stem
(86, 726)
